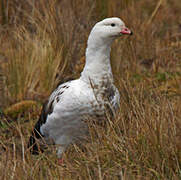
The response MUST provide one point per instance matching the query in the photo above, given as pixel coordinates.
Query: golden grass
(43, 44)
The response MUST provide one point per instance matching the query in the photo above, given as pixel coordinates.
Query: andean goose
(62, 120)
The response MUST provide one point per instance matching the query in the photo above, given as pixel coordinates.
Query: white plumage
(62, 120)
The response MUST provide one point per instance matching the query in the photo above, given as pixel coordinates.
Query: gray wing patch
(55, 97)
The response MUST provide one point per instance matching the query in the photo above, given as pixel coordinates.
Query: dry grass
(43, 44)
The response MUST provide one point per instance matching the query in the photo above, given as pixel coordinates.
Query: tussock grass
(43, 44)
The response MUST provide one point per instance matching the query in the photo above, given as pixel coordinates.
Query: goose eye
(112, 24)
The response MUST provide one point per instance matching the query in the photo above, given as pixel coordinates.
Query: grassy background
(43, 43)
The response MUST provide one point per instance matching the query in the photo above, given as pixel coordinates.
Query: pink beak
(126, 31)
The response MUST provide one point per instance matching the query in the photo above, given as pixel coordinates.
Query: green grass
(43, 44)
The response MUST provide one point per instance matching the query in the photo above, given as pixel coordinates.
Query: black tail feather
(34, 148)
(35, 139)
(36, 135)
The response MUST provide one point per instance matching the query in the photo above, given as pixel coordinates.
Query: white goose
(62, 121)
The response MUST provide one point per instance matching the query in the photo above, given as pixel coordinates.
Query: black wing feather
(46, 110)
